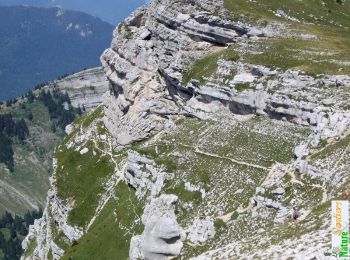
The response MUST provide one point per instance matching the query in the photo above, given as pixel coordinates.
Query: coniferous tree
(22, 130)
(9, 129)
(18, 228)
(30, 116)
(6, 151)
(30, 97)
(60, 109)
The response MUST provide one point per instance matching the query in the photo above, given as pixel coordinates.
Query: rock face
(85, 89)
(56, 213)
(144, 176)
(152, 49)
(288, 96)
(148, 51)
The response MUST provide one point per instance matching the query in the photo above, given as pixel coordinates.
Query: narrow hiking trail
(198, 151)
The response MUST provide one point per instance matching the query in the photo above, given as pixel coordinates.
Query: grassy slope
(258, 141)
(33, 159)
(327, 20)
(109, 238)
(326, 52)
(199, 152)
(325, 12)
(206, 66)
(82, 178)
(76, 172)
(30, 248)
(334, 158)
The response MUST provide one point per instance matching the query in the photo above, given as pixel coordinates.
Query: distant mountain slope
(25, 186)
(112, 11)
(39, 44)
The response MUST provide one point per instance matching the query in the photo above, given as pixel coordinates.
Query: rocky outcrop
(201, 231)
(55, 216)
(198, 26)
(152, 49)
(280, 95)
(162, 237)
(143, 175)
(148, 51)
(85, 89)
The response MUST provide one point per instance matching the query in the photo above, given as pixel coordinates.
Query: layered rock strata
(85, 89)
(148, 53)
(153, 48)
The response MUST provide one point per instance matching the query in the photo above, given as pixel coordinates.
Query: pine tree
(30, 97)
(22, 130)
(30, 116)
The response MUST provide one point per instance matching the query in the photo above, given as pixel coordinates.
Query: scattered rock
(143, 174)
(69, 129)
(244, 78)
(278, 191)
(201, 231)
(84, 151)
(301, 150)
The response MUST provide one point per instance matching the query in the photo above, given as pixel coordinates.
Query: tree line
(60, 108)
(13, 230)
(10, 129)
(61, 112)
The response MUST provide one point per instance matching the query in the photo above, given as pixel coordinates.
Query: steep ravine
(179, 165)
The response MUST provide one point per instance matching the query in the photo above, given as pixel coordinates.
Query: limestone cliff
(144, 64)
(85, 88)
(203, 146)
(148, 57)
